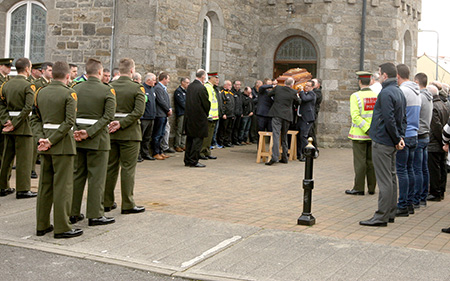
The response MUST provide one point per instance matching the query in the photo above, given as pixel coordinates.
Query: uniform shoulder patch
(113, 91)
(143, 90)
(74, 96)
(33, 87)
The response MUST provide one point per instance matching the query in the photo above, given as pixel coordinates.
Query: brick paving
(235, 189)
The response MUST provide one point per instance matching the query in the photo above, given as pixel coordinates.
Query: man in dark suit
(307, 114)
(163, 110)
(196, 119)
(281, 113)
(264, 104)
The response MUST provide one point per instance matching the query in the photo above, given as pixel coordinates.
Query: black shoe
(75, 219)
(411, 209)
(285, 161)
(170, 150)
(45, 231)
(148, 157)
(316, 154)
(230, 145)
(13, 167)
(34, 175)
(197, 165)
(7, 191)
(373, 223)
(140, 159)
(402, 212)
(392, 220)
(302, 159)
(211, 157)
(416, 206)
(135, 210)
(38, 162)
(271, 162)
(108, 209)
(69, 234)
(446, 230)
(237, 144)
(423, 203)
(371, 192)
(434, 198)
(25, 194)
(101, 221)
(354, 192)
(203, 157)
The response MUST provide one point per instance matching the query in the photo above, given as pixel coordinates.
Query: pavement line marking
(216, 248)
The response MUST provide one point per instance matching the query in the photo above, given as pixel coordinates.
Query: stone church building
(243, 40)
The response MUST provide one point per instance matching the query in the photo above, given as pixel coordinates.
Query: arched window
(206, 44)
(25, 31)
(407, 49)
(295, 52)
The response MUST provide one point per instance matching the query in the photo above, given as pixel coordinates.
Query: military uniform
(53, 118)
(16, 101)
(3, 79)
(125, 142)
(361, 110)
(39, 83)
(96, 108)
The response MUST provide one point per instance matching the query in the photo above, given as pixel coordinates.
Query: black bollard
(308, 185)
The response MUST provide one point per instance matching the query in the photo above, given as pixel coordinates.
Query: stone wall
(166, 35)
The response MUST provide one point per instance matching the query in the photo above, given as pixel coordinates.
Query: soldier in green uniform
(16, 101)
(52, 120)
(96, 108)
(36, 72)
(126, 135)
(5, 69)
(43, 81)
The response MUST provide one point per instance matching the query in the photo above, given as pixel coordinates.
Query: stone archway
(295, 52)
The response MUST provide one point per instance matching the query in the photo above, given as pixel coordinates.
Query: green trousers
(206, 146)
(35, 154)
(90, 165)
(55, 188)
(123, 155)
(363, 166)
(20, 147)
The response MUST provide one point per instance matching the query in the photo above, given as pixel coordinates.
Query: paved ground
(237, 219)
(15, 265)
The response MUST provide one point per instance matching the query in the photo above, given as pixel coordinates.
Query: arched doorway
(293, 52)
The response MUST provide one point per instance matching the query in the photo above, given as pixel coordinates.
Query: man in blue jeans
(405, 157)
(421, 155)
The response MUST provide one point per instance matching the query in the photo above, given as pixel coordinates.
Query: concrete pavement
(236, 220)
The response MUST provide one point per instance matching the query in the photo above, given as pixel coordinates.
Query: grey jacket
(162, 101)
(426, 112)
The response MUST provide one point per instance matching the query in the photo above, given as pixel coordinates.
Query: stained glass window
(206, 44)
(296, 49)
(26, 31)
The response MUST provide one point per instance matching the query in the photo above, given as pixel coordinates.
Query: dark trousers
(225, 129)
(280, 128)
(254, 136)
(438, 173)
(245, 128)
(147, 130)
(303, 128)
(159, 127)
(264, 124)
(236, 128)
(363, 166)
(192, 152)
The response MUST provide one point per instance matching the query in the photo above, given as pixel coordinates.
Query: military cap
(363, 74)
(213, 74)
(6, 61)
(37, 65)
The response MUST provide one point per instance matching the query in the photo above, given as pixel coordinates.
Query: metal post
(308, 185)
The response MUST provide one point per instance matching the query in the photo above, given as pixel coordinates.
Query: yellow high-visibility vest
(214, 110)
(361, 110)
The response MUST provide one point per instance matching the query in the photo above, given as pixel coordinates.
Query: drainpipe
(113, 31)
(363, 36)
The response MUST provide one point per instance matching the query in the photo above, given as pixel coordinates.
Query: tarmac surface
(237, 220)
